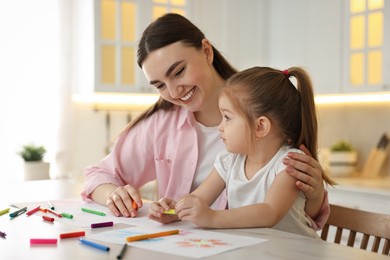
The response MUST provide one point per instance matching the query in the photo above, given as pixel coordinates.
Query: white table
(280, 245)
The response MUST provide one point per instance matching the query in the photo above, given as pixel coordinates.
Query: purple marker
(102, 224)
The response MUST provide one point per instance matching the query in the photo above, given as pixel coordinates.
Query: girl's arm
(210, 188)
(279, 199)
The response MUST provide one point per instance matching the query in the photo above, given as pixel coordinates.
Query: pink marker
(44, 241)
(33, 211)
(102, 224)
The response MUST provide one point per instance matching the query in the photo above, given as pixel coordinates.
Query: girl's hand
(191, 208)
(308, 173)
(156, 211)
(124, 201)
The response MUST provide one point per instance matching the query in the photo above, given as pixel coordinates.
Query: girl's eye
(179, 72)
(226, 118)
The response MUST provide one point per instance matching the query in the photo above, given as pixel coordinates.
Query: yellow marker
(2, 212)
(170, 212)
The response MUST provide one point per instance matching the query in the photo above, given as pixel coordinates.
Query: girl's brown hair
(263, 91)
(168, 29)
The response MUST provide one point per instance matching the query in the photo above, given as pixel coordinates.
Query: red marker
(33, 211)
(48, 218)
(72, 234)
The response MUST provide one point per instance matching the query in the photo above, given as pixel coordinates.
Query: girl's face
(233, 128)
(183, 75)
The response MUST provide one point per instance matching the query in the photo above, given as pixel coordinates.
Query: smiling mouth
(188, 95)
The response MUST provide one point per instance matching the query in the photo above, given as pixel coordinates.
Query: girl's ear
(208, 50)
(263, 126)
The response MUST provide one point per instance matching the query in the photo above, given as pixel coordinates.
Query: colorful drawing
(203, 243)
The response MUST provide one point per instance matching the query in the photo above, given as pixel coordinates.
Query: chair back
(370, 225)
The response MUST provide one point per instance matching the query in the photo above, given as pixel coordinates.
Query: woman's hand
(308, 173)
(156, 211)
(191, 208)
(124, 201)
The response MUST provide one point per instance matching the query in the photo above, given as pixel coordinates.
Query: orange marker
(134, 204)
(153, 235)
(55, 213)
(72, 234)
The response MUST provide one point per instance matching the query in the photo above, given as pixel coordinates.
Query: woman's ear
(263, 126)
(208, 50)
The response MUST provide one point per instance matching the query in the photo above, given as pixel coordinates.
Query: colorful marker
(48, 218)
(170, 212)
(134, 205)
(18, 212)
(54, 212)
(153, 235)
(33, 211)
(4, 211)
(50, 205)
(102, 224)
(44, 241)
(95, 245)
(72, 234)
(93, 211)
(122, 252)
(67, 215)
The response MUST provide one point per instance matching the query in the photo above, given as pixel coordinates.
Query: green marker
(93, 211)
(67, 215)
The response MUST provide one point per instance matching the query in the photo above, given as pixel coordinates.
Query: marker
(122, 252)
(48, 218)
(134, 205)
(33, 211)
(153, 235)
(50, 205)
(2, 234)
(4, 211)
(72, 234)
(67, 215)
(95, 245)
(37, 241)
(18, 212)
(54, 212)
(102, 224)
(93, 211)
(170, 212)
(43, 209)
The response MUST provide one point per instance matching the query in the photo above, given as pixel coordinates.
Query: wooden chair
(369, 224)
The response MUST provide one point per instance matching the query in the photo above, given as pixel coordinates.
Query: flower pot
(36, 170)
(342, 164)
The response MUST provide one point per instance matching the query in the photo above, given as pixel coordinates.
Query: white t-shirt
(242, 192)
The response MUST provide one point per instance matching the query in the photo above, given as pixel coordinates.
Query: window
(366, 44)
(118, 27)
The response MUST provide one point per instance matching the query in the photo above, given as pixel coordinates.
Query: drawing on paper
(201, 243)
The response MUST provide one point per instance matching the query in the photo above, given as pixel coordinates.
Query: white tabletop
(280, 245)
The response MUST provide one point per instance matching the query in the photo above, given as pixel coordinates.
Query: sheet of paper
(190, 242)
(83, 219)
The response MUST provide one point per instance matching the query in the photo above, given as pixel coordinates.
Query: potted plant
(34, 166)
(342, 159)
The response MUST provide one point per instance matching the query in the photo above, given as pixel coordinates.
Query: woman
(177, 139)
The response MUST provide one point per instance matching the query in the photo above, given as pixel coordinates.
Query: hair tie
(285, 72)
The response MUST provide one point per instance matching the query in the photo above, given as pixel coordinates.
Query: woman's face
(183, 75)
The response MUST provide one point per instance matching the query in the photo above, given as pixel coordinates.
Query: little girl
(264, 118)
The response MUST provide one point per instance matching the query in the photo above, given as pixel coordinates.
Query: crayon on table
(4, 211)
(122, 252)
(93, 244)
(73, 234)
(18, 212)
(102, 224)
(48, 218)
(152, 235)
(93, 211)
(50, 205)
(55, 213)
(67, 215)
(33, 211)
(43, 241)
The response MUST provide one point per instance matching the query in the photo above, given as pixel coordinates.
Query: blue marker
(18, 212)
(95, 245)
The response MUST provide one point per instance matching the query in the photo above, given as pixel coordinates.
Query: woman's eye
(160, 86)
(179, 72)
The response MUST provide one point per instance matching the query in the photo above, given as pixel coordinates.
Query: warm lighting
(107, 101)
(352, 98)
